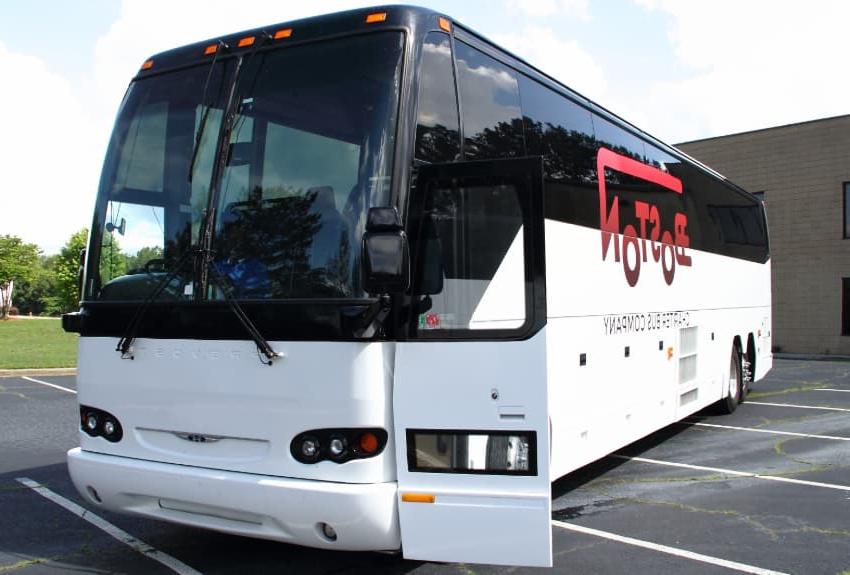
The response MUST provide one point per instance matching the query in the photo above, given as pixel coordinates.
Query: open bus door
(470, 395)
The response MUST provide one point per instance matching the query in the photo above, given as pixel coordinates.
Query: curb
(38, 372)
(811, 357)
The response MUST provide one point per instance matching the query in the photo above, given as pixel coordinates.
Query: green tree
(113, 262)
(36, 296)
(137, 262)
(17, 264)
(66, 270)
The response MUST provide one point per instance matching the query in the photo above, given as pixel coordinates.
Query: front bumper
(364, 516)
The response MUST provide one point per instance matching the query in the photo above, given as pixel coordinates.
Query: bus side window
(437, 124)
(492, 121)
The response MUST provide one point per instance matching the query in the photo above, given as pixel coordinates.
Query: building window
(845, 306)
(847, 209)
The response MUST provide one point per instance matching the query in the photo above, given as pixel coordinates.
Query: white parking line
(797, 406)
(771, 431)
(736, 473)
(742, 567)
(830, 389)
(119, 534)
(53, 385)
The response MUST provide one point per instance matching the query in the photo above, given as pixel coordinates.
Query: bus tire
(734, 397)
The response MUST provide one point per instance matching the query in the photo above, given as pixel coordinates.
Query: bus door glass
(470, 396)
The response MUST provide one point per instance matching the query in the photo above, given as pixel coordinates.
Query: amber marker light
(147, 65)
(246, 41)
(281, 34)
(211, 49)
(418, 498)
(445, 24)
(368, 443)
(376, 17)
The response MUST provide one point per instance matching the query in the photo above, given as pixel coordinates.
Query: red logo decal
(632, 245)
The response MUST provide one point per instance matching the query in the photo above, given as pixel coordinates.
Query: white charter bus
(367, 281)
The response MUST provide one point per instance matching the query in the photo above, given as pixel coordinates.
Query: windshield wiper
(221, 47)
(126, 342)
(261, 342)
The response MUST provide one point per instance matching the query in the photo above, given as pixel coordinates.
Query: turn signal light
(147, 65)
(368, 442)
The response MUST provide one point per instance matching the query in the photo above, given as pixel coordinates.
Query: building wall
(801, 168)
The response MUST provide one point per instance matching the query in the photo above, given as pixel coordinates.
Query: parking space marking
(742, 567)
(53, 385)
(830, 389)
(116, 533)
(771, 431)
(733, 472)
(797, 406)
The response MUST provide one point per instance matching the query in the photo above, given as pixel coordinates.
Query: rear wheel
(736, 384)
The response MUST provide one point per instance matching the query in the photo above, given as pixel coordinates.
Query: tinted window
(310, 151)
(471, 257)
(492, 124)
(617, 139)
(437, 130)
(562, 132)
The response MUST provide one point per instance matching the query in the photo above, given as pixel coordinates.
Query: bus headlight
(337, 445)
(98, 423)
(310, 448)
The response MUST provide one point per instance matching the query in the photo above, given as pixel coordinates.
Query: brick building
(803, 172)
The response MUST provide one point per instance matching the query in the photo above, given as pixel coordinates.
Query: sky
(679, 69)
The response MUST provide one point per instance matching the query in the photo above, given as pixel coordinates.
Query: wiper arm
(261, 342)
(221, 47)
(126, 341)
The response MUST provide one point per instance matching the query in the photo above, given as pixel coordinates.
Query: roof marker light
(285, 33)
(211, 49)
(147, 65)
(376, 17)
(246, 41)
(445, 24)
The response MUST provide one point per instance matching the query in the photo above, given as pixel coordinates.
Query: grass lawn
(36, 343)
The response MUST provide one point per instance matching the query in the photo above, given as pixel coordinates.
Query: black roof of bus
(305, 29)
(395, 17)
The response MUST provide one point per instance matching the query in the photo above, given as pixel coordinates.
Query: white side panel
(615, 398)
(492, 386)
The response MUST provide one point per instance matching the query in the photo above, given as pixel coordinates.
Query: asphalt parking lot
(764, 490)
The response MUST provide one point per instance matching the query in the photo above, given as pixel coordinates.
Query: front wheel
(736, 385)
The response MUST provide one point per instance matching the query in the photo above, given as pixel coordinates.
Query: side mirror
(386, 255)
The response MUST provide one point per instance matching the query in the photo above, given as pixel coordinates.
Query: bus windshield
(280, 156)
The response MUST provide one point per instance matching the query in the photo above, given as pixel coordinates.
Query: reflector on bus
(376, 17)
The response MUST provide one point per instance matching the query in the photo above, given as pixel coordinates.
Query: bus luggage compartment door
(472, 439)
(470, 400)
